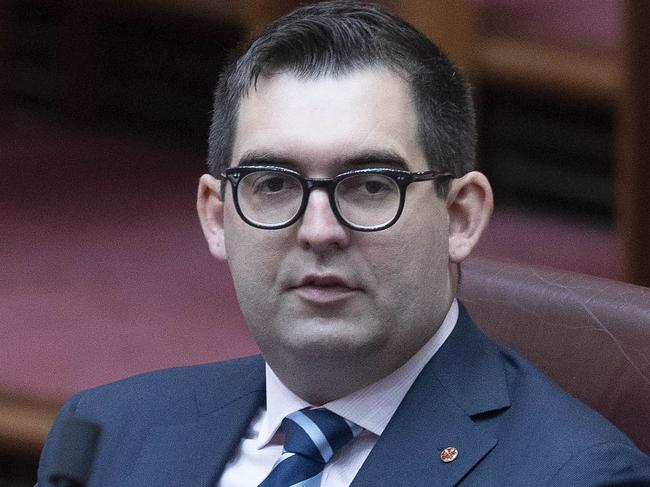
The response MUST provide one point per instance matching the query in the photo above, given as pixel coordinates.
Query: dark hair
(335, 38)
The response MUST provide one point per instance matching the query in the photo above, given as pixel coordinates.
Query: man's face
(318, 291)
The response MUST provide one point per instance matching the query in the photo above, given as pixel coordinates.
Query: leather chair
(589, 335)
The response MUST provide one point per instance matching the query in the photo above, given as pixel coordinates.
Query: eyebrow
(256, 158)
(367, 158)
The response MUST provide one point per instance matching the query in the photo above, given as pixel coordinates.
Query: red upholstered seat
(590, 335)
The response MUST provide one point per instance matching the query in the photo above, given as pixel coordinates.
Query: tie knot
(317, 433)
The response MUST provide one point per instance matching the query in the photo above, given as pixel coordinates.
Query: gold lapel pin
(449, 454)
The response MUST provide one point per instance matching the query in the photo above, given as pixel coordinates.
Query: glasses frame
(402, 178)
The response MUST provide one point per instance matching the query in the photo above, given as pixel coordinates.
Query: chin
(338, 347)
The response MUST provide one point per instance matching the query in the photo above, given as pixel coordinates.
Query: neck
(325, 381)
(320, 374)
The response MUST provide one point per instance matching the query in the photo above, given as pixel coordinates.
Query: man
(341, 193)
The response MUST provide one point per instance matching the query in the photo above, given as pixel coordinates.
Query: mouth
(324, 289)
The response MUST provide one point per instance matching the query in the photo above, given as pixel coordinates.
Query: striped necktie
(311, 437)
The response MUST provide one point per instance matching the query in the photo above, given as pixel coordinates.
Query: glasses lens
(367, 200)
(269, 197)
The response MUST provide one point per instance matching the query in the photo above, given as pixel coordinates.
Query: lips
(325, 281)
(324, 289)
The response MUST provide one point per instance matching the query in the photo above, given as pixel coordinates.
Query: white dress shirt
(371, 408)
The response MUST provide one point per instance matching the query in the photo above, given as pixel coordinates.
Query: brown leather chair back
(590, 335)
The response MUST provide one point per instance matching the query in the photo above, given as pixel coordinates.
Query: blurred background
(104, 112)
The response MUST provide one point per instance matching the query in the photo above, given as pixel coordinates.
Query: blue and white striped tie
(311, 437)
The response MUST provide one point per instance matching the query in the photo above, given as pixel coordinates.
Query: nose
(319, 229)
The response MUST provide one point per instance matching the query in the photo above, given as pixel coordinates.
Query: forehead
(317, 122)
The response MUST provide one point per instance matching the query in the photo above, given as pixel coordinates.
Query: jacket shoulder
(129, 409)
(577, 443)
(157, 394)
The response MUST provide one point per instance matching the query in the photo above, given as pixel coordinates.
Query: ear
(210, 208)
(469, 204)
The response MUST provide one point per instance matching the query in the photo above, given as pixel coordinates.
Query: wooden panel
(448, 23)
(633, 171)
(4, 38)
(25, 421)
(251, 14)
(592, 76)
(565, 73)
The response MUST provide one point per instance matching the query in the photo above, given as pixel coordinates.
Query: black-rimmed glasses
(366, 200)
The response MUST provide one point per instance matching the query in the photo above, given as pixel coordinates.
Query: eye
(374, 187)
(371, 185)
(272, 183)
(367, 188)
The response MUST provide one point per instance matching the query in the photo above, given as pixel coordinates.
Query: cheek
(415, 263)
(246, 257)
(246, 246)
(254, 257)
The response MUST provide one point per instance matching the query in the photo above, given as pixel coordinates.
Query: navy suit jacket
(510, 425)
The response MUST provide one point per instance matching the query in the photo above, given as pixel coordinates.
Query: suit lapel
(464, 380)
(443, 408)
(196, 452)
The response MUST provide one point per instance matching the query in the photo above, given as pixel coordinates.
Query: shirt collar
(371, 407)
